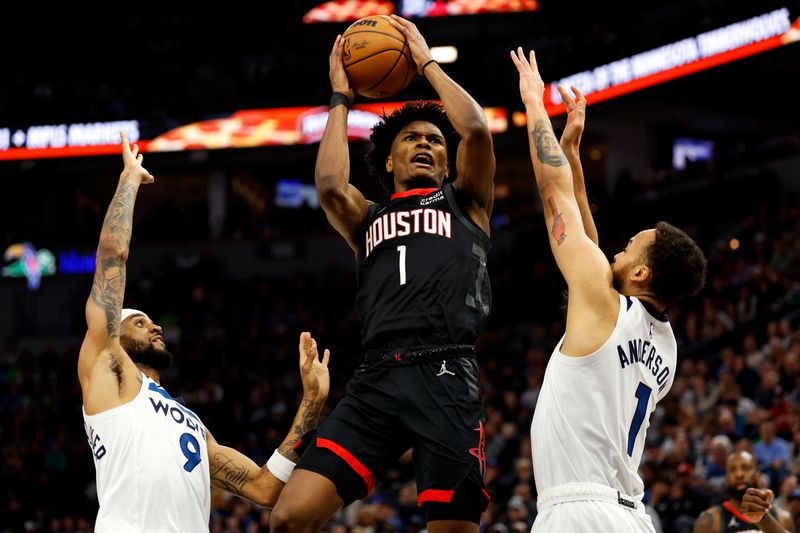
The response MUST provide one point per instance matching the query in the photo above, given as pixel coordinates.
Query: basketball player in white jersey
(618, 354)
(155, 459)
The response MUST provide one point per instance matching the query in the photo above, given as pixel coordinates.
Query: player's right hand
(576, 117)
(756, 503)
(313, 372)
(339, 81)
(132, 160)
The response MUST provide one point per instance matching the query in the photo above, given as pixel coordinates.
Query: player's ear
(642, 273)
(389, 164)
(446, 170)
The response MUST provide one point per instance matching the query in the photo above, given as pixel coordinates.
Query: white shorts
(578, 507)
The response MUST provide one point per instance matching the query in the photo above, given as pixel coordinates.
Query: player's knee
(284, 519)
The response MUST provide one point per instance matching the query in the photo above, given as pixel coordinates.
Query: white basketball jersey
(593, 412)
(151, 459)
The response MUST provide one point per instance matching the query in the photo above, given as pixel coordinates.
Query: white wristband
(280, 466)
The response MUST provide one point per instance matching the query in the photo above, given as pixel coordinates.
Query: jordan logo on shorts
(443, 370)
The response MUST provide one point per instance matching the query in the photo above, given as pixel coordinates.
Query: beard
(738, 494)
(144, 353)
(616, 279)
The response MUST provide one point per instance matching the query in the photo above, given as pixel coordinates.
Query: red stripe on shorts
(433, 495)
(352, 462)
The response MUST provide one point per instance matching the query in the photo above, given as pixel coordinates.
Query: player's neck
(645, 296)
(150, 372)
(653, 301)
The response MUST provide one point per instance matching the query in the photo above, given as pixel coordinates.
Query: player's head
(663, 261)
(143, 340)
(741, 473)
(412, 147)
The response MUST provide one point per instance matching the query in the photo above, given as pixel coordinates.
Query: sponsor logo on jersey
(625, 502)
(402, 223)
(435, 197)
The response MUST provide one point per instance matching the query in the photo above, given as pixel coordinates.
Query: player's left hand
(531, 86)
(756, 503)
(313, 372)
(416, 42)
(576, 117)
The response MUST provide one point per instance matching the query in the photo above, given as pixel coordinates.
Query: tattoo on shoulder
(227, 475)
(704, 522)
(559, 229)
(307, 419)
(548, 149)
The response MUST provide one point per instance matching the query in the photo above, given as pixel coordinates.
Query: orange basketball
(376, 58)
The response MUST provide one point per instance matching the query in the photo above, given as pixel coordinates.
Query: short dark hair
(678, 264)
(384, 132)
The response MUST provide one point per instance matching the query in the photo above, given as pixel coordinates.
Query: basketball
(376, 58)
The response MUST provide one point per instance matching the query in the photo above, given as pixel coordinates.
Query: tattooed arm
(593, 302)
(105, 372)
(708, 521)
(570, 143)
(236, 473)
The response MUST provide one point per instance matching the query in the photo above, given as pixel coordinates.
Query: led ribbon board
(243, 129)
(693, 54)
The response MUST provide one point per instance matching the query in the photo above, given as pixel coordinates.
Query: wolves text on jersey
(178, 413)
(402, 223)
(643, 352)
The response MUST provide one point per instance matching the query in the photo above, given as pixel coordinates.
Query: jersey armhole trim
(120, 409)
(468, 222)
(587, 359)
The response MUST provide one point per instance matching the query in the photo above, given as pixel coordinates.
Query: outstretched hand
(339, 81)
(313, 372)
(531, 86)
(576, 117)
(132, 160)
(416, 42)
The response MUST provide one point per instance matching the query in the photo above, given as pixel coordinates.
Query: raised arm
(235, 472)
(570, 144)
(582, 263)
(475, 161)
(104, 370)
(344, 205)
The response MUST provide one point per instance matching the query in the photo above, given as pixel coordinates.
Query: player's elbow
(476, 128)
(330, 191)
(112, 248)
(552, 185)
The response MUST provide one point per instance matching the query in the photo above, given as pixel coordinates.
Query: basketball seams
(390, 70)
(379, 52)
(365, 69)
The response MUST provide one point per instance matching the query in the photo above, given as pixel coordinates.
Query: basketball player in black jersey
(749, 508)
(423, 298)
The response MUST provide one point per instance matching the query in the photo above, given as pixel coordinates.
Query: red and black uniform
(423, 298)
(733, 521)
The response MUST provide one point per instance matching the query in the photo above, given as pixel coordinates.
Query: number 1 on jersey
(402, 250)
(642, 397)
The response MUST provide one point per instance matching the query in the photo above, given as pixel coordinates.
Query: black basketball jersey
(422, 276)
(733, 521)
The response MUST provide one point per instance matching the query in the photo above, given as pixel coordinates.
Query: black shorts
(433, 407)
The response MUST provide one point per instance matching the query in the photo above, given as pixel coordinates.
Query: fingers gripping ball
(376, 58)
